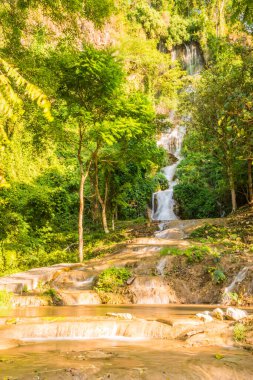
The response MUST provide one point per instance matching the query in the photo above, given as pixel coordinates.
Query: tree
(222, 113)
(90, 79)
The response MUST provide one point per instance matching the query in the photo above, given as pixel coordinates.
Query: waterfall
(162, 201)
(240, 277)
(160, 267)
(190, 56)
(151, 290)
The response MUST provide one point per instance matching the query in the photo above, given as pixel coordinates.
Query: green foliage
(52, 293)
(5, 299)
(149, 18)
(221, 109)
(117, 101)
(194, 254)
(242, 10)
(217, 275)
(91, 77)
(112, 278)
(210, 231)
(98, 10)
(177, 31)
(11, 83)
(202, 190)
(234, 297)
(171, 251)
(161, 182)
(239, 332)
(195, 201)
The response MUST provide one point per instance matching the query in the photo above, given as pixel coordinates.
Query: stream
(117, 357)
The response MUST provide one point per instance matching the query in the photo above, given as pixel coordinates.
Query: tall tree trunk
(113, 221)
(104, 219)
(220, 18)
(232, 188)
(84, 175)
(250, 181)
(102, 201)
(80, 218)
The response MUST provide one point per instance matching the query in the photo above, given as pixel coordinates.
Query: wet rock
(204, 317)
(30, 301)
(218, 313)
(79, 297)
(127, 316)
(32, 278)
(235, 314)
(130, 280)
(150, 290)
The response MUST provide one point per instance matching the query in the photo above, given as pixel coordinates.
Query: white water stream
(163, 202)
(239, 278)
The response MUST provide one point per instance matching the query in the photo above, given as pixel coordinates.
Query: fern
(11, 84)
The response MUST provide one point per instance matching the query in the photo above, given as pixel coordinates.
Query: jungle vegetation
(86, 89)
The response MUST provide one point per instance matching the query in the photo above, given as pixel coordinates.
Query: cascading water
(163, 202)
(239, 278)
(190, 56)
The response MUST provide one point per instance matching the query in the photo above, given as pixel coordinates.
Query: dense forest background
(86, 87)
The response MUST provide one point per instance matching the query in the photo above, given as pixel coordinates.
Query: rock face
(147, 290)
(235, 314)
(79, 297)
(31, 279)
(30, 301)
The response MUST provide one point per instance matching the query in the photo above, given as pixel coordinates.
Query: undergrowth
(112, 278)
(239, 332)
(194, 254)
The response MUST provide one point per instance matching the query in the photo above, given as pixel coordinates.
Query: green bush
(52, 293)
(171, 251)
(217, 275)
(177, 31)
(196, 254)
(110, 279)
(149, 18)
(239, 332)
(195, 201)
(161, 182)
(210, 231)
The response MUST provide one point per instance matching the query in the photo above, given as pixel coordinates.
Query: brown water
(121, 359)
(140, 311)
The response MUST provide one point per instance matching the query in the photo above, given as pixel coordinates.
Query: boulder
(235, 314)
(218, 313)
(204, 317)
